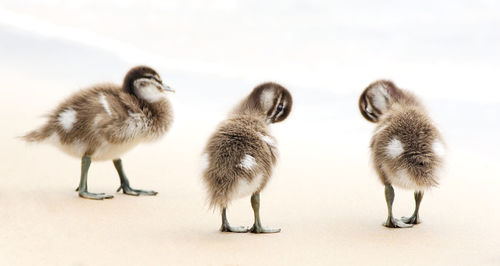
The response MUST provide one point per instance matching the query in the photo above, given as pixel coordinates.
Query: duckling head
(377, 98)
(145, 83)
(269, 100)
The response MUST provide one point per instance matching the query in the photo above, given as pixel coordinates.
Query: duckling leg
(125, 185)
(391, 221)
(257, 226)
(225, 227)
(414, 219)
(82, 189)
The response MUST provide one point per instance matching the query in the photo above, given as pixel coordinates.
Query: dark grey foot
(396, 223)
(136, 192)
(257, 229)
(411, 220)
(233, 229)
(94, 196)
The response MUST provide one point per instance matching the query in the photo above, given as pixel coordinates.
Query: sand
(324, 196)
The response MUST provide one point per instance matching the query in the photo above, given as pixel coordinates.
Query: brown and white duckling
(105, 121)
(241, 154)
(407, 149)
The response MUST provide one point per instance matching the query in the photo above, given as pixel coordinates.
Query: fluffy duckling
(241, 154)
(105, 121)
(407, 149)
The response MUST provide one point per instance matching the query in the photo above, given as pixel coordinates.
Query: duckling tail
(37, 135)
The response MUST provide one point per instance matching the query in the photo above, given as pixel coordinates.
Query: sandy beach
(325, 198)
(324, 194)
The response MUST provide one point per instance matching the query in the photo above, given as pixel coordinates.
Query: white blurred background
(214, 52)
(442, 49)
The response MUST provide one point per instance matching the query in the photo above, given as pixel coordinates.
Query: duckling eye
(280, 107)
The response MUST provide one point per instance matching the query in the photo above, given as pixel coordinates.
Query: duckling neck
(245, 109)
(254, 114)
(159, 115)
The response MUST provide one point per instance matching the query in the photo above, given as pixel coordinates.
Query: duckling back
(239, 158)
(103, 122)
(407, 148)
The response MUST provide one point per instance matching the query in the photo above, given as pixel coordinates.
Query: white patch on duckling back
(105, 104)
(244, 188)
(394, 148)
(67, 118)
(248, 162)
(438, 148)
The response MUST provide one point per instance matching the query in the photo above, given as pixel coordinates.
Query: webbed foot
(233, 229)
(257, 229)
(396, 223)
(411, 220)
(94, 196)
(136, 192)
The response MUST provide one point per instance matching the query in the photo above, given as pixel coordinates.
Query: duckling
(240, 155)
(407, 149)
(105, 121)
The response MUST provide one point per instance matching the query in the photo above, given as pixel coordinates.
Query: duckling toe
(234, 229)
(396, 223)
(257, 229)
(137, 192)
(411, 220)
(94, 196)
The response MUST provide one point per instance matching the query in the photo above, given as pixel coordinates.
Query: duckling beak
(167, 88)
